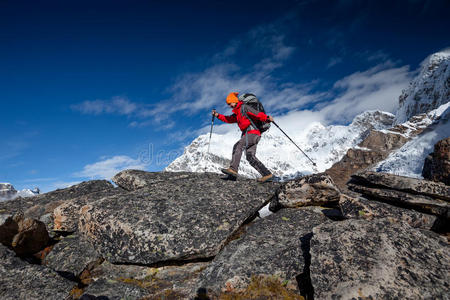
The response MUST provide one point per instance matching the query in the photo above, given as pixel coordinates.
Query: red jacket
(243, 121)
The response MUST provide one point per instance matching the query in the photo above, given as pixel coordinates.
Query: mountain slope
(429, 90)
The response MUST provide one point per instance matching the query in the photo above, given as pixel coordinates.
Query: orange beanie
(232, 98)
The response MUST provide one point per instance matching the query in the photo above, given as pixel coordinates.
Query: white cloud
(375, 89)
(108, 167)
(116, 105)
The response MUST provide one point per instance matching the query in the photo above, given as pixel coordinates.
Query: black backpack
(253, 102)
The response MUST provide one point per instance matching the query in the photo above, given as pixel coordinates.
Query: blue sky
(91, 87)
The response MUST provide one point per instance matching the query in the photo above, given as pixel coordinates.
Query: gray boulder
(378, 259)
(71, 256)
(316, 189)
(182, 218)
(24, 235)
(20, 280)
(275, 247)
(361, 208)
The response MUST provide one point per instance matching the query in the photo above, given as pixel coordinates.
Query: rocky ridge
(186, 235)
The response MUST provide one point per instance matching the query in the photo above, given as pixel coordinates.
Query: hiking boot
(265, 178)
(230, 172)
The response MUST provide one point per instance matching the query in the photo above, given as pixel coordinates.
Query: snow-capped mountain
(325, 145)
(409, 159)
(423, 106)
(8, 192)
(429, 90)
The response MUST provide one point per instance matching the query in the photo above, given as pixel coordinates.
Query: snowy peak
(8, 192)
(376, 120)
(429, 90)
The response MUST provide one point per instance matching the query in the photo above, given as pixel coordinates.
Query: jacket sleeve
(254, 114)
(227, 119)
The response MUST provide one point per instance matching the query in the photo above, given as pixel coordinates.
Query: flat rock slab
(168, 282)
(66, 216)
(20, 280)
(179, 219)
(378, 259)
(360, 208)
(71, 256)
(316, 189)
(422, 203)
(132, 180)
(274, 247)
(103, 289)
(404, 184)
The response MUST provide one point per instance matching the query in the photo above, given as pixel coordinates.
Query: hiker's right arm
(227, 119)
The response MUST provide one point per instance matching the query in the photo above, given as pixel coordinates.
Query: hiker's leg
(253, 140)
(237, 154)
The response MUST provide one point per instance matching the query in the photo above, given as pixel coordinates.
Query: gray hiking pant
(248, 142)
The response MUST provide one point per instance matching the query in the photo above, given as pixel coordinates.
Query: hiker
(247, 117)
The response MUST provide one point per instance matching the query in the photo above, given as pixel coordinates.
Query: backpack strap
(244, 111)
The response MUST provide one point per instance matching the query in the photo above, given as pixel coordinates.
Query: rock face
(316, 189)
(377, 259)
(24, 235)
(360, 208)
(20, 280)
(180, 219)
(429, 90)
(275, 246)
(437, 165)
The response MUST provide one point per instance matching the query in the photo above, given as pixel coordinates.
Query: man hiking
(246, 117)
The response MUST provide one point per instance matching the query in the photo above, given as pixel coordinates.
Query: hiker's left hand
(270, 118)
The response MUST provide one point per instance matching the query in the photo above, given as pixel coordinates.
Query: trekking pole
(210, 132)
(210, 135)
(314, 164)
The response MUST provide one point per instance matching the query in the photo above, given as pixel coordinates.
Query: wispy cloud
(376, 88)
(116, 105)
(334, 61)
(106, 168)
